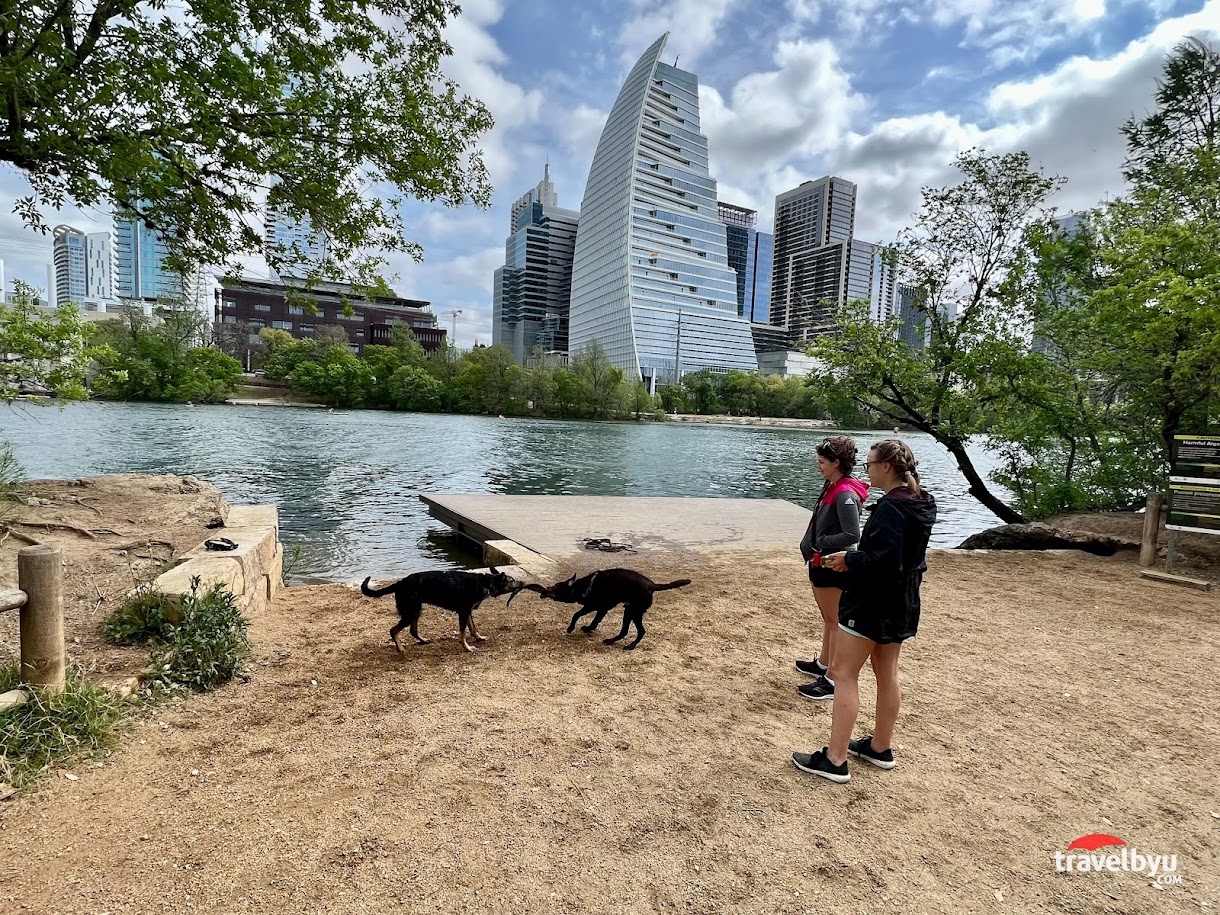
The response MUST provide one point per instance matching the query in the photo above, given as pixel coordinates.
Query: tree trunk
(978, 488)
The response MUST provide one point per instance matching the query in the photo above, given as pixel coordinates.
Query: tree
(966, 240)
(338, 378)
(275, 339)
(488, 380)
(415, 388)
(186, 117)
(234, 340)
(701, 386)
(641, 401)
(41, 351)
(1173, 151)
(329, 336)
(139, 359)
(600, 381)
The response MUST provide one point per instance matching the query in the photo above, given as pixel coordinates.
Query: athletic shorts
(823, 577)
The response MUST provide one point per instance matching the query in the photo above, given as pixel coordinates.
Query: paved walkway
(555, 525)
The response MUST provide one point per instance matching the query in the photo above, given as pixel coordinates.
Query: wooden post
(1152, 529)
(40, 574)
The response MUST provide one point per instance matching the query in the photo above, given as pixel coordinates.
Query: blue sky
(881, 92)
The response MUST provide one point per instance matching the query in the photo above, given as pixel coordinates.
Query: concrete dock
(554, 526)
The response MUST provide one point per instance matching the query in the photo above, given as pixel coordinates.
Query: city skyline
(878, 93)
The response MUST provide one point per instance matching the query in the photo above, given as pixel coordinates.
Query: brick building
(261, 303)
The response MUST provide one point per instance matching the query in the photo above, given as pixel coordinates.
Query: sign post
(1194, 489)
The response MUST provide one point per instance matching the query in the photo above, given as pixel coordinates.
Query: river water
(347, 483)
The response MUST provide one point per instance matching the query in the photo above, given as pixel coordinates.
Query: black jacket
(881, 601)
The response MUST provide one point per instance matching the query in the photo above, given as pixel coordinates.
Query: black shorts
(823, 577)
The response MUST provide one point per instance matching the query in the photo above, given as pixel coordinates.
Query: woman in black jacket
(879, 609)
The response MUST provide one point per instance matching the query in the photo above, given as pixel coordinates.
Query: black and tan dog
(599, 592)
(455, 591)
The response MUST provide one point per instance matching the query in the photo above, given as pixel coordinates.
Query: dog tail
(680, 583)
(376, 592)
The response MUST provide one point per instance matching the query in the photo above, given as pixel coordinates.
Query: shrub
(205, 648)
(140, 620)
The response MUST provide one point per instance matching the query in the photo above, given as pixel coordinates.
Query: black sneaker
(863, 748)
(819, 764)
(819, 690)
(812, 668)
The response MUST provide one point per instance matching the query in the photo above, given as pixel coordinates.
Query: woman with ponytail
(879, 610)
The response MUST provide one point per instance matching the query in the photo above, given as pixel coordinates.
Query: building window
(230, 319)
(229, 303)
(257, 322)
(282, 325)
(360, 335)
(262, 307)
(296, 310)
(305, 328)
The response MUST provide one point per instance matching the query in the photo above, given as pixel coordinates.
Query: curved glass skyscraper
(650, 279)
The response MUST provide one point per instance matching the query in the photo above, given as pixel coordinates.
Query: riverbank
(1048, 696)
(116, 532)
(778, 422)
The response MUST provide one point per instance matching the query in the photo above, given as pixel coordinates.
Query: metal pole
(40, 574)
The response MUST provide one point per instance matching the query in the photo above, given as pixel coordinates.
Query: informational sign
(1193, 507)
(1196, 459)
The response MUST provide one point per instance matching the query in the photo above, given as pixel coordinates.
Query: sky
(881, 92)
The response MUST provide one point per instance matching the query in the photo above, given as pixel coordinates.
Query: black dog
(599, 592)
(458, 592)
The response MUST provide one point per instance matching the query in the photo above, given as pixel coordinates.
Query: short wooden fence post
(40, 574)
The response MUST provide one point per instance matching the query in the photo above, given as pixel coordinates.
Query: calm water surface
(347, 483)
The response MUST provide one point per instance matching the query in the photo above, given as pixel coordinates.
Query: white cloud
(694, 27)
(801, 108)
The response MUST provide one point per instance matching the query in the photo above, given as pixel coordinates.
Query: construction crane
(453, 336)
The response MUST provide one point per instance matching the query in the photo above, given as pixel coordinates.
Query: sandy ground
(135, 524)
(1047, 697)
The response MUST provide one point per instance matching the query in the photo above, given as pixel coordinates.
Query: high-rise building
(749, 253)
(533, 289)
(913, 331)
(651, 281)
(139, 264)
(84, 266)
(819, 266)
(99, 267)
(69, 255)
(295, 241)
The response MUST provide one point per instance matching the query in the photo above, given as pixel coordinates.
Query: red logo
(1094, 841)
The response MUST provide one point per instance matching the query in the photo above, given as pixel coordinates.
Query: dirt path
(1049, 696)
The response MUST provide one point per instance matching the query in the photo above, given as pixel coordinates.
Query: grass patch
(198, 641)
(82, 721)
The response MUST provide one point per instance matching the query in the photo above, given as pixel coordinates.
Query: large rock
(1039, 536)
(253, 571)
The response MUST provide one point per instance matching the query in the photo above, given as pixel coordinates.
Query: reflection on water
(347, 484)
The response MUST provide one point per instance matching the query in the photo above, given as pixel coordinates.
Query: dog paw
(480, 638)
(586, 628)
